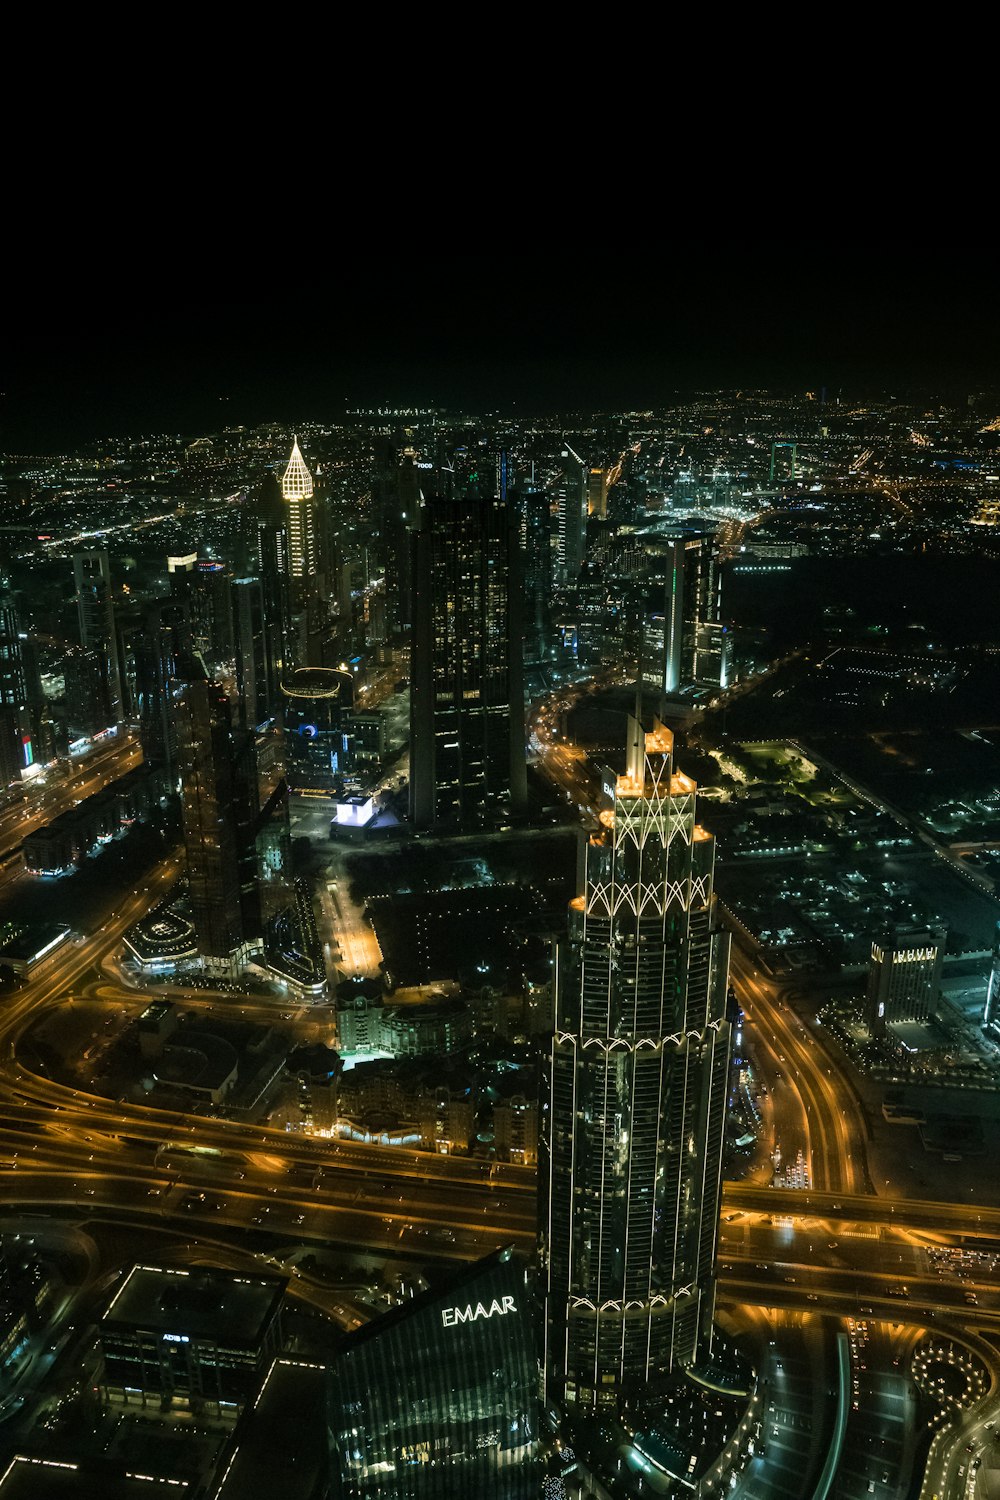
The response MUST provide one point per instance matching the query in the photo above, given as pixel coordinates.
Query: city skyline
(405, 1083)
(515, 332)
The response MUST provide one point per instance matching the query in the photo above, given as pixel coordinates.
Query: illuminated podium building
(436, 1400)
(631, 1155)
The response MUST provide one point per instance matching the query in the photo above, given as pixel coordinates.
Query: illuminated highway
(61, 788)
(347, 1192)
(243, 1192)
(827, 1112)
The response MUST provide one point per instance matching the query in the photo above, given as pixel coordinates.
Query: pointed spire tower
(297, 482)
(303, 528)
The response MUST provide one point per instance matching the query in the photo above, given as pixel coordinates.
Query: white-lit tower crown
(303, 532)
(637, 1085)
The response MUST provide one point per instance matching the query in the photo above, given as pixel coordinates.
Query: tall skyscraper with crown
(298, 493)
(636, 1098)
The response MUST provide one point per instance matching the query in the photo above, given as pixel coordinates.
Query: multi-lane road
(257, 1190)
(62, 788)
(66, 1148)
(815, 1109)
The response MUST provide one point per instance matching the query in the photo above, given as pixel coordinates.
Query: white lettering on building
(499, 1307)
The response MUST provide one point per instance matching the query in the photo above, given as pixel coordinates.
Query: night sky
(189, 344)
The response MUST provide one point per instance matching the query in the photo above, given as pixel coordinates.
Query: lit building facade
(632, 1128)
(904, 975)
(467, 751)
(85, 686)
(597, 492)
(571, 513)
(298, 493)
(536, 544)
(316, 710)
(687, 641)
(273, 569)
(158, 656)
(437, 1398)
(201, 1339)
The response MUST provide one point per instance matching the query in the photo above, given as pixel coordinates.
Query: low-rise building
(202, 1339)
(515, 1130)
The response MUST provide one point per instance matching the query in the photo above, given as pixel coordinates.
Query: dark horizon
(521, 333)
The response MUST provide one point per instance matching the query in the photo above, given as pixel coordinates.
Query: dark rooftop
(210, 1305)
(32, 941)
(293, 1400)
(31, 1478)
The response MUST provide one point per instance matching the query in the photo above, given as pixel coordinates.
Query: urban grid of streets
(836, 1245)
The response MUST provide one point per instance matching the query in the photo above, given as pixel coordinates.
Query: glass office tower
(633, 1129)
(467, 760)
(436, 1400)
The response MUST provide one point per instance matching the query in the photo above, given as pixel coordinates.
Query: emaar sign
(498, 1308)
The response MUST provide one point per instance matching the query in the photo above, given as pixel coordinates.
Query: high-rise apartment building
(85, 685)
(234, 806)
(571, 518)
(202, 588)
(10, 757)
(397, 495)
(688, 644)
(631, 1155)
(904, 975)
(467, 753)
(265, 842)
(536, 544)
(272, 567)
(207, 764)
(255, 666)
(158, 660)
(16, 740)
(98, 630)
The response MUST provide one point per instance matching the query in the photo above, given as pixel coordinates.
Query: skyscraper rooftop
(297, 482)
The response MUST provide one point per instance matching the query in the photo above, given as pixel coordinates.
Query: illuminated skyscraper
(536, 544)
(571, 512)
(597, 492)
(396, 491)
(159, 658)
(436, 1399)
(467, 752)
(633, 1129)
(904, 975)
(297, 490)
(687, 642)
(271, 565)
